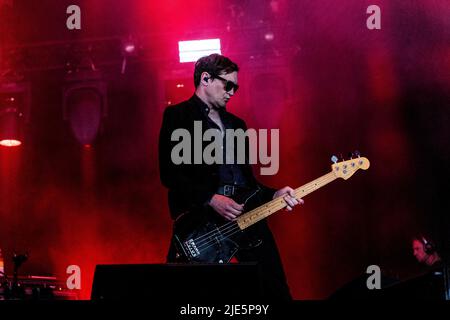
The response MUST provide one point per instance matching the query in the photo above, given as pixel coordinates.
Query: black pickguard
(205, 236)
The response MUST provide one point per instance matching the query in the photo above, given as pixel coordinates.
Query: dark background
(327, 82)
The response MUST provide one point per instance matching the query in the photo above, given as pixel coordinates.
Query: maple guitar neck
(262, 212)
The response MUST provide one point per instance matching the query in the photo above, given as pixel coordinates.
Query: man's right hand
(226, 207)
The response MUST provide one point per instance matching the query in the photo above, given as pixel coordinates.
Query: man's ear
(204, 78)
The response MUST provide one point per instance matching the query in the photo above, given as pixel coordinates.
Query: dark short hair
(215, 64)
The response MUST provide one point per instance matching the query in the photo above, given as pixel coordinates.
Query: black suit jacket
(191, 186)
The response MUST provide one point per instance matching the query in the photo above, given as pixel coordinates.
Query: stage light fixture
(191, 51)
(85, 104)
(129, 49)
(14, 112)
(269, 36)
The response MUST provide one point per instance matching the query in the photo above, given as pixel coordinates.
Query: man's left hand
(288, 196)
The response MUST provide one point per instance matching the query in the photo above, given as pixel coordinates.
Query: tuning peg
(357, 153)
(334, 159)
(350, 155)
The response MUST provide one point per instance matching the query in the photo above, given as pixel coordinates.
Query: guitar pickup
(191, 248)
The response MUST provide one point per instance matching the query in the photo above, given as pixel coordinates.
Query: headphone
(428, 245)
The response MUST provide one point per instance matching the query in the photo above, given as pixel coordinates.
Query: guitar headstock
(345, 169)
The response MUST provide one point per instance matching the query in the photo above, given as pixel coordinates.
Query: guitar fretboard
(262, 212)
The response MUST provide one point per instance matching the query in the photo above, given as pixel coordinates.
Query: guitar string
(223, 234)
(218, 230)
(230, 223)
(273, 204)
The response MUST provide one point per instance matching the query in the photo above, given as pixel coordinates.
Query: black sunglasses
(228, 84)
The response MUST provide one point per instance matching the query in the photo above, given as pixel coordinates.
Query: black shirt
(229, 174)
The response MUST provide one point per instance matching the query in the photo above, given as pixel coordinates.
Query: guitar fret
(273, 206)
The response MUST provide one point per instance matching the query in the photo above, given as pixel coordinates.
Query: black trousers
(266, 255)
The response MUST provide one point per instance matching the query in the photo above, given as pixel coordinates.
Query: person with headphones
(424, 249)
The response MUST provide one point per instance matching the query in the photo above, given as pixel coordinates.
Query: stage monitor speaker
(177, 282)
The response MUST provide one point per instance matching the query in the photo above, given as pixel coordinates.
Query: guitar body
(208, 237)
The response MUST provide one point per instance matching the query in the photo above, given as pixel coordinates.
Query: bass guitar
(209, 238)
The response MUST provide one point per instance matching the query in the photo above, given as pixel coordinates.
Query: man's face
(216, 92)
(419, 252)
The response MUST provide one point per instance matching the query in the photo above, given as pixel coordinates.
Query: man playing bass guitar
(217, 193)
